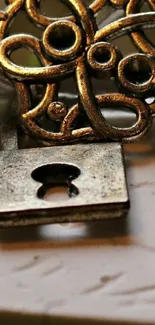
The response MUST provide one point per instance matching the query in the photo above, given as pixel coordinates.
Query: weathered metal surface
(98, 177)
(74, 46)
(8, 137)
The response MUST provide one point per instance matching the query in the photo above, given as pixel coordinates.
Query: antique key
(72, 148)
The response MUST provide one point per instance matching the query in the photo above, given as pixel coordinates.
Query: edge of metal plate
(102, 185)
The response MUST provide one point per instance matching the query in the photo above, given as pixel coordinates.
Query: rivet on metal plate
(76, 150)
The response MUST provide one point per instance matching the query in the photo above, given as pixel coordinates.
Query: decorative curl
(73, 46)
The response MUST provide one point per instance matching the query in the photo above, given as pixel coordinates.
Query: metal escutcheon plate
(93, 175)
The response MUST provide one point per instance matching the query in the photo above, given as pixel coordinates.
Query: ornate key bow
(74, 46)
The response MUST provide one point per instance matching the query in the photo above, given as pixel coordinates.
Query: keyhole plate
(100, 182)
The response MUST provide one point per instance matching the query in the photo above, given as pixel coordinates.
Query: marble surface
(98, 270)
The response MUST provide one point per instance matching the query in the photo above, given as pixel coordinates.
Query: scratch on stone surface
(104, 282)
(128, 302)
(142, 184)
(53, 270)
(53, 304)
(93, 289)
(135, 290)
(135, 301)
(110, 278)
(35, 261)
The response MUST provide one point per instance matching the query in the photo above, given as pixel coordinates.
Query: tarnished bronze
(74, 46)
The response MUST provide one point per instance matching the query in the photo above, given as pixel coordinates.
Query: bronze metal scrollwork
(85, 51)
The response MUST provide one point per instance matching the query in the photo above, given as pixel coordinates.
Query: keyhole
(57, 181)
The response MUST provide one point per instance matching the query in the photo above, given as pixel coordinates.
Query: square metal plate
(101, 184)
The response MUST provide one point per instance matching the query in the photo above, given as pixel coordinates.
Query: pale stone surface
(101, 269)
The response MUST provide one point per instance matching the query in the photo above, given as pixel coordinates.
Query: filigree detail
(86, 53)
